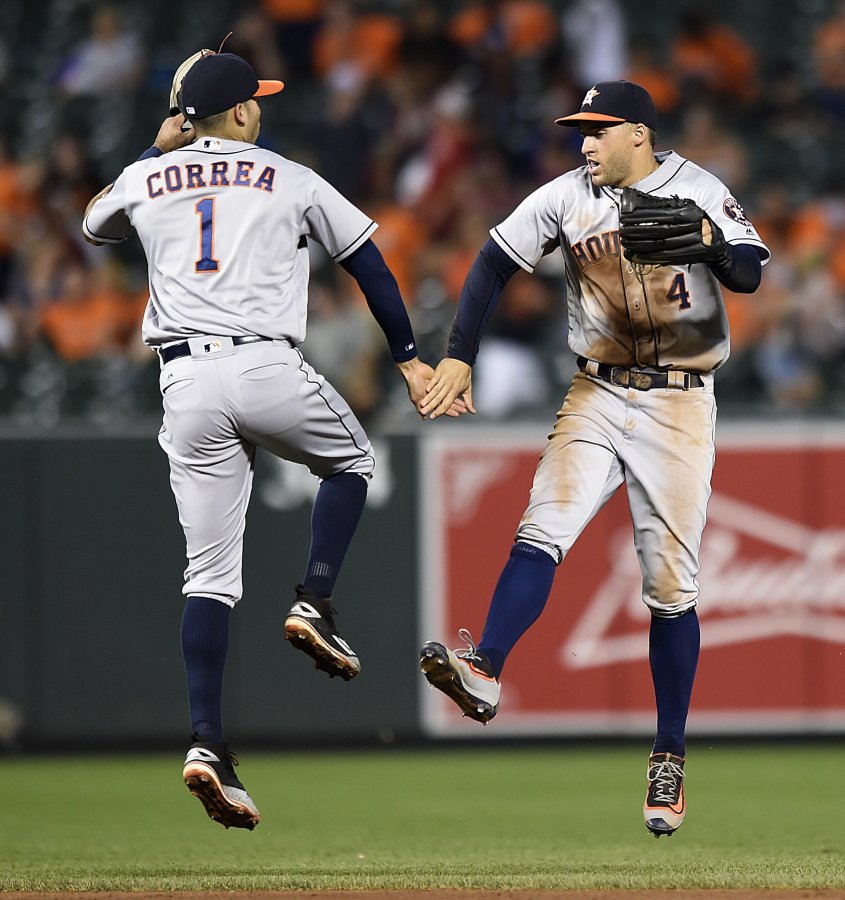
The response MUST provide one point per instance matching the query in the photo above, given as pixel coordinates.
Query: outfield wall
(93, 559)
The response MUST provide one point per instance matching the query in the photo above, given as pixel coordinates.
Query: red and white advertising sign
(772, 604)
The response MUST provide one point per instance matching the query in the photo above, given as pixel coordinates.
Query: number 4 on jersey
(206, 263)
(678, 291)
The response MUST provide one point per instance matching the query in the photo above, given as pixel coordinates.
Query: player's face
(608, 150)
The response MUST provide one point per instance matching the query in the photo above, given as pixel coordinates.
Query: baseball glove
(666, 231)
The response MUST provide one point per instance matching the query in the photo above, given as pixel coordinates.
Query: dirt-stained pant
(661, 444)
(218, 407)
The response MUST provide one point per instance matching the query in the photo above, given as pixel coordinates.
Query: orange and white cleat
(665, 803)
(210, 776)
(464, 676)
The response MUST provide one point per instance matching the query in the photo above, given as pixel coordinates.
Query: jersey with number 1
(668, 317)
(224, 227)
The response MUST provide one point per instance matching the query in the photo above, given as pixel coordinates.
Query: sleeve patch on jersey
(734, 211)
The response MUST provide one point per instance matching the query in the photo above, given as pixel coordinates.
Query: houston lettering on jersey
(222, 173)
(596, 247)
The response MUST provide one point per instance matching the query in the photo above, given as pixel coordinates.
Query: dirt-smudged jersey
(625, 315)
(224, 227)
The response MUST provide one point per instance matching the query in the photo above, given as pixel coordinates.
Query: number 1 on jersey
(205, 210)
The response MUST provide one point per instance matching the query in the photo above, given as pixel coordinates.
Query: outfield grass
(546, 818)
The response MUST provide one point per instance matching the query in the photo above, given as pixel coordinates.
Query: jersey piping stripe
(101, 237)
(518, 257)
(325, 400)
(659, 186)
(368, 230)
(193, 149)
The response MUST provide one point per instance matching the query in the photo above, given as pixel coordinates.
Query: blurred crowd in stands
(436, 120)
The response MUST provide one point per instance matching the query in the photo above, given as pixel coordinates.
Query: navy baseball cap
(615, 101)
(217, 82)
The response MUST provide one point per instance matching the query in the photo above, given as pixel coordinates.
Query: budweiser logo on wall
(772, 603)
(795, 585)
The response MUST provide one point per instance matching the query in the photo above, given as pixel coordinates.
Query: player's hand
(450, 384)
(417, 374)
(170, 135)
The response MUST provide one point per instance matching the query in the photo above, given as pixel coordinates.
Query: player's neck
(640, 171)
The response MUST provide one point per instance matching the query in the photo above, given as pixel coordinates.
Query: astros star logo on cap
(588, 97)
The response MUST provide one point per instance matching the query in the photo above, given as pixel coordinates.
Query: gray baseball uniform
(635, 317)
(224, 226)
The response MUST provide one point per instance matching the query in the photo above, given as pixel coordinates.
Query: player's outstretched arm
(417, 375)
(451, 383)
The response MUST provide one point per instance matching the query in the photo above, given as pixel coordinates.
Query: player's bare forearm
(171, 137)
(417, 375)
(451, 383)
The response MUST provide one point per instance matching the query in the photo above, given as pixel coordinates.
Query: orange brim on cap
(587, 117)
(268, 87)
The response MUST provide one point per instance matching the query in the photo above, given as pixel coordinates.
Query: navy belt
(641, 381)
(174, 351)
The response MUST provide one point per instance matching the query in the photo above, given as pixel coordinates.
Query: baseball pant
(218, 407)
(661, 444)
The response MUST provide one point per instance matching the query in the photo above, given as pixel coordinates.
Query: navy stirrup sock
(337, 511)
(673, 655)
(205, 640)
(519, 598)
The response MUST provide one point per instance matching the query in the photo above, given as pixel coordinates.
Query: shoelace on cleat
(471, 651)
(665, 780)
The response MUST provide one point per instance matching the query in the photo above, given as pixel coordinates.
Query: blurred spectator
(352, 48)
(437, 118)
(425, 181)
(509, 374)
(427, 50)
(108, 61)
(520, 28)
(17, 208)
(711, 59)
(829, 62)
(704, 139)
(596, 41)
(295, 24)
(401, 238)
(346, 145)
(658, 80)
(71, 180)
(92, 316)
(254, 39)
(345, 343)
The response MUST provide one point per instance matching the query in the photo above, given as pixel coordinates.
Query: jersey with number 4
(621, 314)
(224, 227)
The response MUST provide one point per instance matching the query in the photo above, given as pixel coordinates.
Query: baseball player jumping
(648, 239)
(225, 227)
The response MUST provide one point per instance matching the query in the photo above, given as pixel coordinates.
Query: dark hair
(210, 124)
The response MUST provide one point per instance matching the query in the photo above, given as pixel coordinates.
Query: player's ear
(640, 134)
(240, 113)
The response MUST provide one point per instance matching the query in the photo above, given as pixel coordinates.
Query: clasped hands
(444, 391)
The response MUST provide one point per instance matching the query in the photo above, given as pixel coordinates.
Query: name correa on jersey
(221, 173)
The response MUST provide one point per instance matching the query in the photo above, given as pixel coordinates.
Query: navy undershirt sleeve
(367, 266)
(745, 270)
(480, 294)
(150, 153)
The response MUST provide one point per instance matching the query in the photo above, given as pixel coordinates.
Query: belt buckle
(619, 377)
(639, 381)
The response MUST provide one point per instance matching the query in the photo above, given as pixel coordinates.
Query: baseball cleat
(310, 627)
(210, 776)
(464, 676)
(665, 803)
